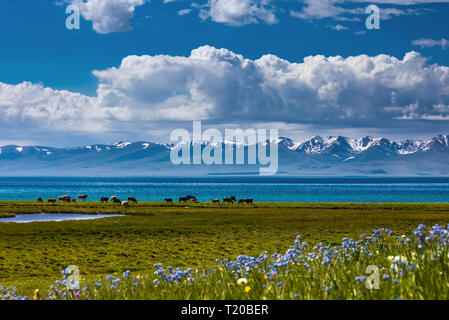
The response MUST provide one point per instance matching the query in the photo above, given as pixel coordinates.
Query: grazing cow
(39, 199)
(132, 199)
(125, 204)
(73, 200)
(192, 198)
(116, 200)
(169, 200)
(215, 201)
(182, 199)
(113, 197)
(249, 201)
(105, 199)
(65, 198)
(241, 201)
(82, 197)
(228, 200)
(51, 201)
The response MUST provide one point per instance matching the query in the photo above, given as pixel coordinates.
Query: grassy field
(188, 235)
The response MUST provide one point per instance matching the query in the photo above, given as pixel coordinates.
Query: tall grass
(414, 267)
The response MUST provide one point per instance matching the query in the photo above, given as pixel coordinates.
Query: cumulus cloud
(28, 105)
(217, 83)
(239, 12)
(108, 15)
(224, 87)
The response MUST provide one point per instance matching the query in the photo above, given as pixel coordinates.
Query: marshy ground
(185, 235)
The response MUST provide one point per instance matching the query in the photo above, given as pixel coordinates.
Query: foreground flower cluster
(379, 265)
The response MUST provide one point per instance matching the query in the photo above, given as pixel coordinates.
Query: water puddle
(55, 217)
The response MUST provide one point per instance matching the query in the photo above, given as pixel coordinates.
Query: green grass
(188, 235)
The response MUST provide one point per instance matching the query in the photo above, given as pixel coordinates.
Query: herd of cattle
(116, 200)
(231, 200)
(69, 199)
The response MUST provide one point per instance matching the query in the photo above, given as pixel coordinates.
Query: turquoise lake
(262, 189)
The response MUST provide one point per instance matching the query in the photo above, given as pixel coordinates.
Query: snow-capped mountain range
(328, 156)
(329, 145)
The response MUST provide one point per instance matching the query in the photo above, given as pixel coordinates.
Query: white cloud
(184, 12)
(108, 15)
(429, 43)
(401, 2)
(344, 10)
(338, 27)
(28, 105)
(149, 92)
(239, 12)
(114, 15)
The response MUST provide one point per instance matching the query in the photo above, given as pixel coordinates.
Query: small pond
(42, 217)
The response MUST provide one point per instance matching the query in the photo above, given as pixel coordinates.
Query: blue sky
(40, 57)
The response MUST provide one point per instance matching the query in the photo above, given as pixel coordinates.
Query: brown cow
(51, 201)
(182, 199)
(215, 201)
(169, 200)
(82, 197)
(65, 198)
(104, 199)
(39, 199)
(132, 199)
(228, 200)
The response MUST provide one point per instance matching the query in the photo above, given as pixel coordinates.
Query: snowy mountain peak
(333, 145)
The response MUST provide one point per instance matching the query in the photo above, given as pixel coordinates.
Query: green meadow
(32, 255)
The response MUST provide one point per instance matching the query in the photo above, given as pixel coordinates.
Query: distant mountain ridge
(316, 156)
